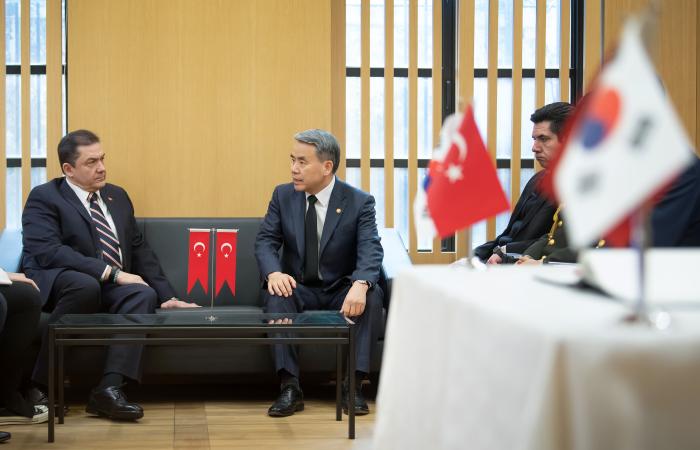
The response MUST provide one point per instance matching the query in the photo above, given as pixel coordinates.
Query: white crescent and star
(199, 252)
(230, 249)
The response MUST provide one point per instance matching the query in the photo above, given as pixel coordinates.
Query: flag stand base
(659, 320)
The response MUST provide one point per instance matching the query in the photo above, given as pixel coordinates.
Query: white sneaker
(41, 415)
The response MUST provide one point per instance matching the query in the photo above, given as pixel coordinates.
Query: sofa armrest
(395, 259)
(11, 250)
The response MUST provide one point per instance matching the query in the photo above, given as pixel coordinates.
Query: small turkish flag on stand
(226, 260)
(198, 261)
(463, 186)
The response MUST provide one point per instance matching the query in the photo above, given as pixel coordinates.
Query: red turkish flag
(198, 261)
(226, 259)
(464, 188)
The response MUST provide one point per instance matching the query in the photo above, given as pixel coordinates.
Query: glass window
(481, 97)
(353, 177)
(401, 117)
(553, 34)
(529, 33)
(37, 101)
(353, 124)
(376, 188)
(376, 33)
(13, 197)
(425, 122)
(13, 116)
(401, 33)
(425, 33)
(481, 33)
(525, 175)
(528, 107)
(376, 117)
(505, 34)
(353, 33)
(424, 242)
(478, 234)
(504, 130)
(425, 117)
(38, 115)
(37, 32)
(502, 219)
(12, 32)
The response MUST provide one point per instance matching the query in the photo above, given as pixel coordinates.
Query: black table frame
(61, 336)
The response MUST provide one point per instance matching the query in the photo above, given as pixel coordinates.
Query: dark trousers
(77, 293)
(20, 306)
(315, 298)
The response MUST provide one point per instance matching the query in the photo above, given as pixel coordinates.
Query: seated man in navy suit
(85, 253)
(330, 260)
(532, 215)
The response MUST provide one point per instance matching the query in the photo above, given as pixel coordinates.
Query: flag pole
(213, 265)
(641, 241)
(212, 243)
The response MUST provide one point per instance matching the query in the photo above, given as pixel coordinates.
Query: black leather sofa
(169, 239)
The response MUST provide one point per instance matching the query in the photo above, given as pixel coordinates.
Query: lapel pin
(338, 211)
(109, 198)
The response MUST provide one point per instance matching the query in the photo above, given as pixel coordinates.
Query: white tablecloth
(499, 360)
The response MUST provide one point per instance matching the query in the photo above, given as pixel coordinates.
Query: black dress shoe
(361, 406)
(290, 400)
(4, 436)
(112, 403)
(38, 397)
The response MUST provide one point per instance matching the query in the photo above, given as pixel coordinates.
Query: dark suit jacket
(349, 248)
(58, 234)
(676, 218)
(531, 218)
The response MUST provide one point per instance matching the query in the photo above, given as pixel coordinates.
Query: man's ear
(328, 166)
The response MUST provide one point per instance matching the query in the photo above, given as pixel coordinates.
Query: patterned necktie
(108, 241)
(311, 243)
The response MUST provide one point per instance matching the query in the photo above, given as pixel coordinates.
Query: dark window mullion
(17, 162)
(35, 69)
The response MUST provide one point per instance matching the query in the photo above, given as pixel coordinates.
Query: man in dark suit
(331, 257)
(84, 251)
(675, 219)
(532, 215)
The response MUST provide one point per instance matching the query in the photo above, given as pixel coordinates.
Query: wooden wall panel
(197, 102)
(592, 48)
(674, 50)
(26, 113)
(54, 102)
(338, 78)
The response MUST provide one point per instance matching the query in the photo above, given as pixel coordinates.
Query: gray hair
(327, 148)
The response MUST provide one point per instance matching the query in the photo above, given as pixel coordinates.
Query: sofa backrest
(169, 239)
(10, 250)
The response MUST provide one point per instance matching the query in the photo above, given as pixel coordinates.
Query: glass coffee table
(198, 327)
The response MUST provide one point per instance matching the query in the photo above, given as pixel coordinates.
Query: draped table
(501, 360)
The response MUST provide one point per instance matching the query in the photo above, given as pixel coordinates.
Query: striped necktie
(108, 241)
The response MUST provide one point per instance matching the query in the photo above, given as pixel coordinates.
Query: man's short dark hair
(556, 113)
(327, 148)
(68, 147)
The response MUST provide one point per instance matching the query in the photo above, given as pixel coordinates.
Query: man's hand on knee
(177, 303)
(284, 321)
(281, 284)
(129, 278)
(355, 301)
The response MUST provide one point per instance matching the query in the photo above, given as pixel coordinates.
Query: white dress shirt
(83, 197)
(322, 200)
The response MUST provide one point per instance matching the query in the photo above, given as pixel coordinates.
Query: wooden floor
(184, 423)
